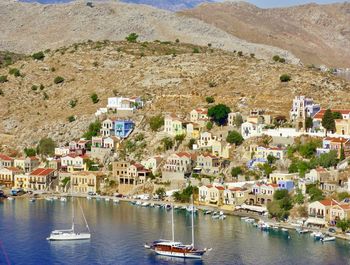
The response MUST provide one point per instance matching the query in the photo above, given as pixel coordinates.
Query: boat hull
(179, 254)
(82, 236)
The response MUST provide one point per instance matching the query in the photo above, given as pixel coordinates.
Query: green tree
(93, 130)
(94, 98)
(71, 118)
(236, 171)
(276, 58)
(46, 147)
(271, 159)
(219, 113)
(73, 103)
(342, 153)
(266, 169)
(132, 37)
(168, 143)
(238, 120)
(210, 100)
(90, 165)
(185, 195)
(328, 159)
(38, 56)
(299, 198)
(161, 193)
(343, 195)
(180, 137)
(58, 80)
(285, 78)
(156, 122)
(15, 72)
(343, 225)
(209, 125)
(337, 115)
(308, 123)
(328, 121)
(191, 142)
(234, 137)
(315, 194)
(29, 151)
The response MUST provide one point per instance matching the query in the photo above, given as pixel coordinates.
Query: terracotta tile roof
(181, 154)
(201, 111)
(220, 188)
(42, 172)
(329, 202)
(5, 157)
(344, 206)
(209, 186)
(14, 169)
(319, 115)
(235, 189)
(336, 139)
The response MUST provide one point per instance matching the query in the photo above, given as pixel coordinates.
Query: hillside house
(62, 151)
(123, 128)
(121, 104)
(152, 163)
(173, 125)
(334, 143)
(250, 129)
(6, 161)
(107, 127)
(72, 162)
(178, 166)
(208, 164)
(199, 115)
(27, 164)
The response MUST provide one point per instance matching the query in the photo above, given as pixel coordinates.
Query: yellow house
(21, 181)
(275, 177)
(342, 126)
(173, 125)
(221, 149)
(7, 176)
(340, 212)
(86, 181)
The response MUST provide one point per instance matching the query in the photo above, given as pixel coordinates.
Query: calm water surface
(119, 232)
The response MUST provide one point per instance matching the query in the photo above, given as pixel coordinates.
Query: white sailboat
(71, 234)
(172, 248)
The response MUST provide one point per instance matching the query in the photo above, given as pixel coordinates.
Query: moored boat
(328, 238)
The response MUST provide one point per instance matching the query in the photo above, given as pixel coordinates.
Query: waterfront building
(86, 181)
(6, 161)
(211, 195)
(319, 211)
(7, 175)
(41, 179)
(27, 164)
(178, 166)
(261, 194)
(129, 174)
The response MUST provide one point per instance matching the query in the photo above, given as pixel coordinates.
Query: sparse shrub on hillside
(209, 125)
(240, 53)
(191, 142)
(196, 50)
(58, 80)
(34, 88)
(285, 78)
(252, 55)
(41, 87)
(177, 40)
(73, 103)
(53, 69)
(282, 60)
(93, 130)
(45, 96)
(209, 100)
(71, 118)
(15, 72)
(168, 143)
(276, 58)
(156, 122)
(132, 37)
(95, 64)
(94, 98)
(209, 45)
(234, 137)
(3, 78)
(38, 56)
(211, 84)
(29, 152)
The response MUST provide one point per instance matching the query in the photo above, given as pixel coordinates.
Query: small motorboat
(138, 203)
(89, 198)
(116, 200)
(145, 204)
(10, 198)
(244, 218)
(49, 199)
(249, 220)
(107, 199)
(32, 199)
(208, 212)
(167, 206)
(317, 235)
(55, 198)
(302, 231)
(63, 199)
(284, 229)
(327, 238)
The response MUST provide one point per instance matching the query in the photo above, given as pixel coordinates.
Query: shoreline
(237, 213)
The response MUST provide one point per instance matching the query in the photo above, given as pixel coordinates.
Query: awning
(317, 221)
(254, 208)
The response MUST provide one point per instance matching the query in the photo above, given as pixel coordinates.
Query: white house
(73, 163)
(199, 114)
(206, 140)
(121, 103)
(250, 129)
(152, 163)
(62, 151)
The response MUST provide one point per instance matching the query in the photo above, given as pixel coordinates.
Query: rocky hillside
(29, 27)
(172, 77)
(171, 5)
(317, 34)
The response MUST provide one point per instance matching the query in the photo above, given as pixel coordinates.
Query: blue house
(285, 185)
(123, 128)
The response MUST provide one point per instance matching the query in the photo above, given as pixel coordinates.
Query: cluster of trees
(219, 114)
(281, 204)
(185, 195)
(315, 193)
(93, 130)
(156, 122)
(46, 147)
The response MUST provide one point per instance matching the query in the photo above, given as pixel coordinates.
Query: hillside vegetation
(171, 77)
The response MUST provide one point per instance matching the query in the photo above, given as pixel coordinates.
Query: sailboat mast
(172, 223)
(71, 192)
(192, 223)
(86, 223)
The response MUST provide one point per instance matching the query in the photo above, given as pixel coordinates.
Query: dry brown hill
(171, 77)
(317, 34)
(29, 27)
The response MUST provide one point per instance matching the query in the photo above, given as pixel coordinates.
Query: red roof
(220, 188)
(15, 169)
(42, 171)
(209, 186)
(319, 115)
(336, 139)
(202, 111)
(329, 202)
(5, 157)
(181, 154)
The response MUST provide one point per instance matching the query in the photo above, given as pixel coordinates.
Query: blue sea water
(120, 231)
